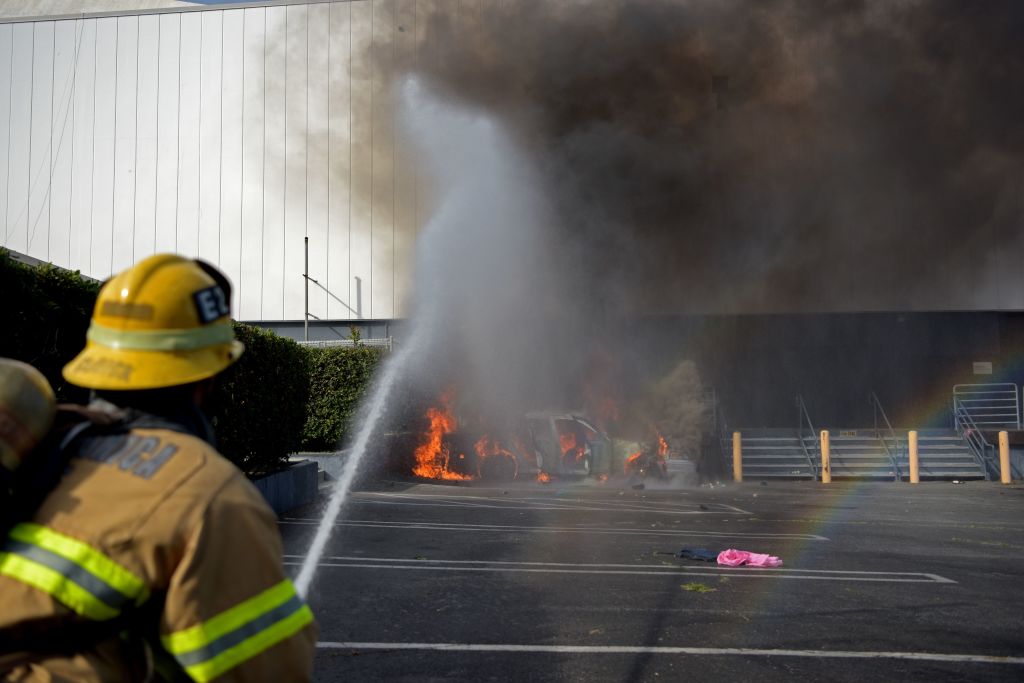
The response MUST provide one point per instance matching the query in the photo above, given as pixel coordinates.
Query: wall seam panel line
(48, 194)
(113, 173)
(373, 121)
(305, 189)
(350, 173)
(284, 196)
(156, 159)
(241, 168)
(306, 154)
(220, 163)
(327, 246)
(394, 155)
(92, 162)
(10, 109)
(199, 145)
(73, 110)
(416, 220)
(49, 184)
(31, 127)
(263, 162)
(135, 174)
(177, 144)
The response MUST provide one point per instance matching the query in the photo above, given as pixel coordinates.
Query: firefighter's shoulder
(154, 458)
(163, 481)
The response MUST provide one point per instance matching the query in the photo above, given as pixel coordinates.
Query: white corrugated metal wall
(226, 134)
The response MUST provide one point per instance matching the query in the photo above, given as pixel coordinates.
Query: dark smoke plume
(779, 155)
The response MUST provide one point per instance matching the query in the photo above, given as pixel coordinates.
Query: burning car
(566, 444)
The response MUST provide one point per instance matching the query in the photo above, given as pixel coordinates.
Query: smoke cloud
(730, 156)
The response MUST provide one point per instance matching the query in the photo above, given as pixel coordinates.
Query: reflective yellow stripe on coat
(223, 642)
(72, 572)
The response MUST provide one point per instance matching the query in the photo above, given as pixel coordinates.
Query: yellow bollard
(826, 453)
(737, 457)
(1004, 458)
(914, 466)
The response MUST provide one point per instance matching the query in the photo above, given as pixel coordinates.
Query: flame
(631, 461)
(433, 455)
(485, 448)
(544, 477)
(567, 441)
(662, 446)
(602, 478)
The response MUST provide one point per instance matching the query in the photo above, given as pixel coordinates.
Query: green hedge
(338, 377)
(47, 310)
(279, 397)
(259, 407)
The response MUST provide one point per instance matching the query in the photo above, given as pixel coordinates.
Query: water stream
(474, 235)
(375, 410)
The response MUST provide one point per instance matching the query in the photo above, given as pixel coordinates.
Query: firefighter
(152, 555)
(27, 409)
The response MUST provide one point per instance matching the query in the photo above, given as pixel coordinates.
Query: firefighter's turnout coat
(150, 537)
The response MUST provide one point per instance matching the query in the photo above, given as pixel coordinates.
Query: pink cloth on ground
(735, 558)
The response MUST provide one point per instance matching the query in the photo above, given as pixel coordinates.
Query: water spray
(481, 209)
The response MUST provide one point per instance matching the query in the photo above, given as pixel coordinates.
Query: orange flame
(433, 455)
(485, 448)
(631, 461)
(662, 446)
(567, 440)
(544, 477)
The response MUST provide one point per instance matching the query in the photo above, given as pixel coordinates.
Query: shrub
(48, 310)
(259, 407)
(338, 378)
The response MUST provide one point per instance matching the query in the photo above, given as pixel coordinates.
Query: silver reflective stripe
(75, 573)
(160, 340)
(243, 632)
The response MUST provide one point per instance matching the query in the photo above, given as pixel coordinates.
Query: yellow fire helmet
(27, 407)
(163, 322)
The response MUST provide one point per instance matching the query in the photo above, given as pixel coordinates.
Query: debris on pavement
(735, 558)
(702, 554)
(697, 588)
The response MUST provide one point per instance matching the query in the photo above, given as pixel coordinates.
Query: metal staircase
(777, 454)
(943, 454)
(856, 454)
(881, 452)
(860, 454)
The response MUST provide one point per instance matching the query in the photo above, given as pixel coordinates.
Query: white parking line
(542, 503)
(499, 528)
(628, 569)
(667, 650)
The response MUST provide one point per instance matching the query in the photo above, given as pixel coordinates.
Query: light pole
(305, 277)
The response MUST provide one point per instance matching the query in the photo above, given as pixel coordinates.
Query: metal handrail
(877, 405)
(384, 342)
(968, 430)
(802, 413)
(991, 406)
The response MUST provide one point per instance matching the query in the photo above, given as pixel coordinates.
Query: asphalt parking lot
(580, 582)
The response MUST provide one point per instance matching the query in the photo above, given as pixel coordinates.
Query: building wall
(233, 132)
(227, 134)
